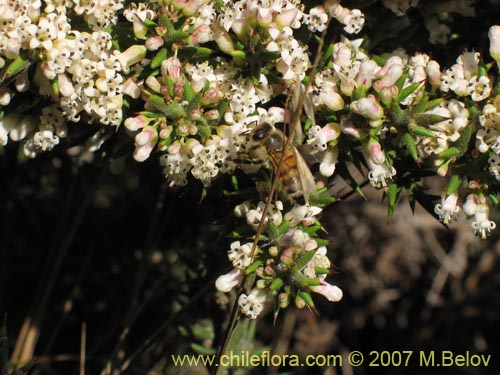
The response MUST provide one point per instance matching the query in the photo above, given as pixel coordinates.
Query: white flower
(254, 216)
(479, 89)
(176, 167)
(226, 282)
(331, 292)
(448, 209)
(380, 175)
(316, 19)
(302, 214)
(239, 254)
(252, 305)
(319, 260)
(481, 225)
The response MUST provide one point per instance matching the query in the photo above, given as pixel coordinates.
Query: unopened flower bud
(153, 43)
(212, 114)
(494, 35)
(434, 73)
(375, 150)
(131, 89)
(153, 83)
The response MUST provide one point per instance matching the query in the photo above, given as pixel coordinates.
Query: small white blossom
(479, 89)
(252, 305)
(239, 255)
(380, 175)
(482, 225)
(226, 282)
(447, 210)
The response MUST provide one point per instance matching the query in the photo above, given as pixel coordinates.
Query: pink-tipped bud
(131, 89)
(375, 150)
(171, 67)
(135, 123)
(212, 114)
(201, 34)
(368, 107)
(154, 43)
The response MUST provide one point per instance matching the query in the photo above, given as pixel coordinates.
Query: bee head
(261, 131)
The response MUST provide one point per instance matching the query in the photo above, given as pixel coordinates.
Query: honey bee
(269, 145)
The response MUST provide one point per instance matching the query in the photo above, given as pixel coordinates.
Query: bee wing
(306, 177)
(300, 97)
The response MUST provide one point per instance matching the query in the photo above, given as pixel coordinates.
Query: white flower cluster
(279, 259)
(78, 70)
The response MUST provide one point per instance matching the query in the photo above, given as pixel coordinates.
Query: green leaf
(434, 103)
(393, 194)
(173, 110)
(306, 297)
(159, 57)
(19, 64)
(453, 184)
(188, 93)
(195, 102)
(449, 153)
(462, 144)
(407, 91)
(493, 198)
(422, 104)
(401, 81)
(253, 267)
(304, 259)
(359, 92)
(379, 60)
(193, 51)
(411, 146)
(276, 284)
(421, 131)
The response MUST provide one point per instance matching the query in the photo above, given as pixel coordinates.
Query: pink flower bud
(368, 107)
(366, 72)
(145, 136)
(154, 43)
(201, 34)
(212, 96)
(135, 123)
(212, 114)
(375, 150)
(171, 67)
(131, 89)
(153, 83)
(392, 75)
(141, 153)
